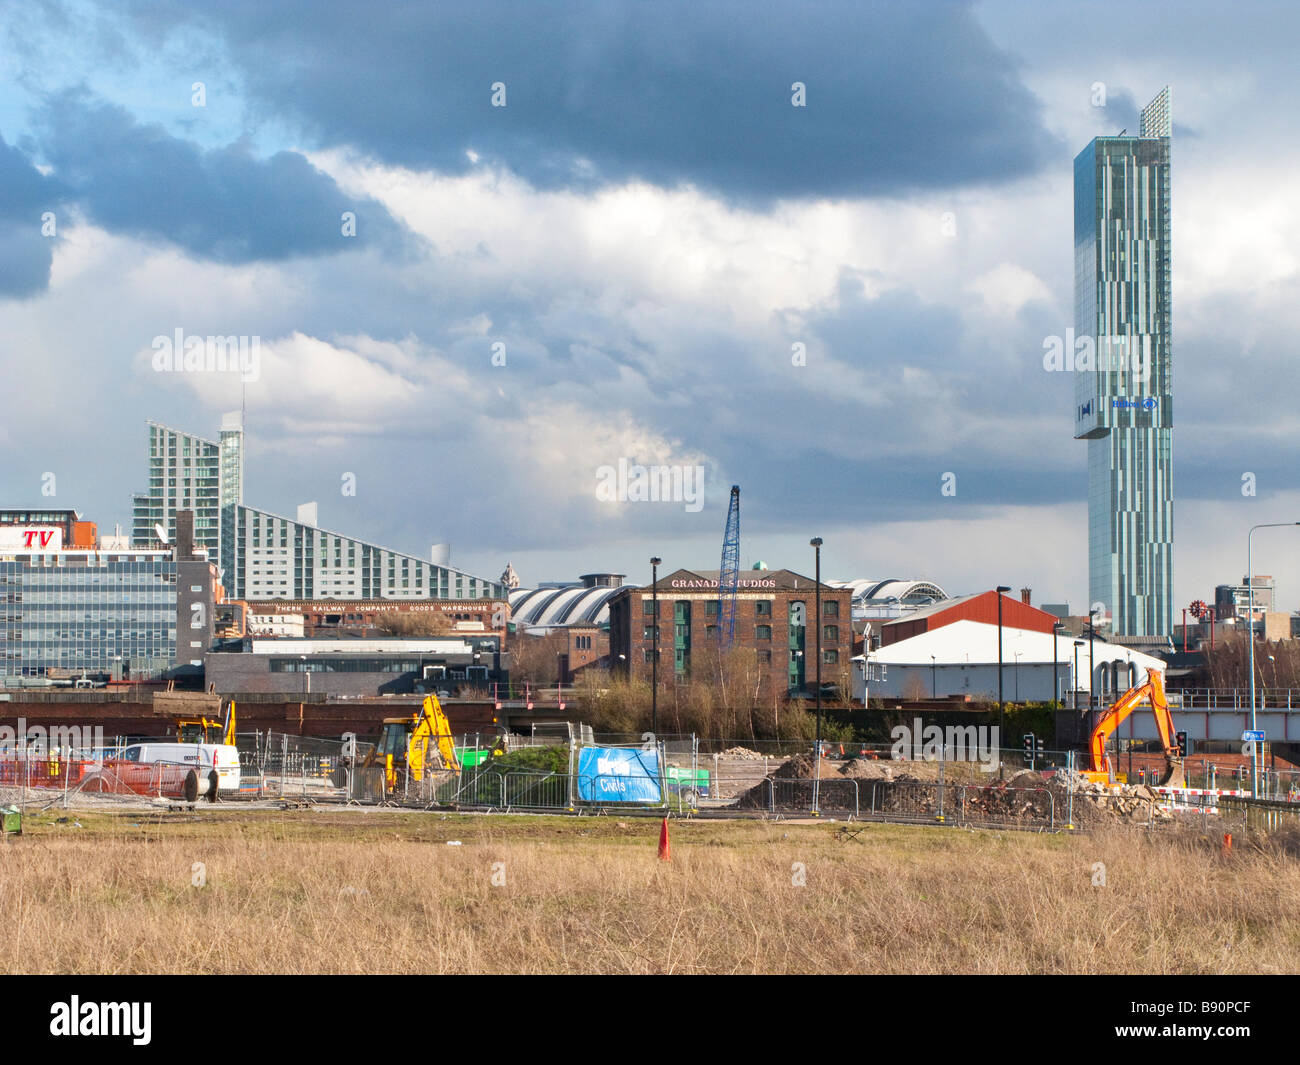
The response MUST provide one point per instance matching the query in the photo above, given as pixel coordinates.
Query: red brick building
(776, 612)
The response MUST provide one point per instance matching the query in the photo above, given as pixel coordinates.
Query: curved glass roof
(539, 607)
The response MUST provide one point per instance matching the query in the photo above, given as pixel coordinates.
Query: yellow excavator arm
(431, 724)
(1152, 690)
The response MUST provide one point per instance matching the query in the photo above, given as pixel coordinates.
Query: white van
(202, 756)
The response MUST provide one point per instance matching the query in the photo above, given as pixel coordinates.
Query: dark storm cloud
(899, 97)
(223, 204)
(25, 253)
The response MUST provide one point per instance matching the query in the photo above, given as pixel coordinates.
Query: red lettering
(28, 537)
(46, 536)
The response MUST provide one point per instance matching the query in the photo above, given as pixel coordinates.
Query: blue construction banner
(618, 774)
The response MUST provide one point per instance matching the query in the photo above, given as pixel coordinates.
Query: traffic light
(1180, 741)
(1039, 746)
(1028, 741)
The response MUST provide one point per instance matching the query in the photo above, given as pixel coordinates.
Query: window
(763, 608)
(831, 632)
(830, 608)
(830, 657)
(649, 654)
(765, 657)
(763, 632)
(648, 607)
(648, 633)
(711, 632)
(711, 609)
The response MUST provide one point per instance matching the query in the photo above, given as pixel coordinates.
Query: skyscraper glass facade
(190, 473)
(1123, 370)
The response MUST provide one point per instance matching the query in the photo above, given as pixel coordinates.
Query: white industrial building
(961, 659)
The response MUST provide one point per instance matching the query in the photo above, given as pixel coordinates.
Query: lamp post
(934, 687)
(816, 544)
(1056, 683)
(1017, 657)
(305, 673)
(999, 590)
(1077, 645)
(1250, 635)
(655, 562)
(1092, 669)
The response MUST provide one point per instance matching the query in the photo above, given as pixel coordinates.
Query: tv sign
(30, 538)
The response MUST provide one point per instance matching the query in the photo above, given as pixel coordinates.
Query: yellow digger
(415, 744)
(1152, 690)
(201, 729)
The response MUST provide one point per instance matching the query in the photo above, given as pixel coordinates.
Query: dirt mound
(804, 767)
(867, 769)
(743, 753)
(801, 768)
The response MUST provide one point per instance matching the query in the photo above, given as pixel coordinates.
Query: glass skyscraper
(190, 473)
(1123, 363)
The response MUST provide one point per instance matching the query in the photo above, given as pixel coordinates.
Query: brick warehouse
(776, 611)
(324, 617)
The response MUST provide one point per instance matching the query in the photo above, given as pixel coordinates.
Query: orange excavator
(1152, 690)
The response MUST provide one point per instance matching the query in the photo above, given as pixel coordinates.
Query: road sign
(1253, 735)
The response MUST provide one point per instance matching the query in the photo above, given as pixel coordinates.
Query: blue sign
(1135, 404)
(1253, 736)
(618, 774)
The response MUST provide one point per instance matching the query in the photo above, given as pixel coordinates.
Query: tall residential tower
(1123, 404)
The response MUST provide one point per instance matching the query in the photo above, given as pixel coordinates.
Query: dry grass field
(383, 892)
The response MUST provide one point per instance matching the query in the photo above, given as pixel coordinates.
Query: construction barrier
(55, 776)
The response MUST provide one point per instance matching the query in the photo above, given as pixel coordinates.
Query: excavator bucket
(1174, 777)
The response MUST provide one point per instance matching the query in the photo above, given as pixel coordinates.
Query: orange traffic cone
(665, 853)
(1227, 842)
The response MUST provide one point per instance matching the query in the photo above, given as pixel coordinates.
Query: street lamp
(816, 544)
(1017, 654)
(1000, 589)
(934, 687)
(1250, 634)
(1056, 683)
(1092, 669)
(1075, 675)
(305, 673)
(655, 563)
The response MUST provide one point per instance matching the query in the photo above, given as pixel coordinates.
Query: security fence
(988, 805)
(279, 765)
(54, 778)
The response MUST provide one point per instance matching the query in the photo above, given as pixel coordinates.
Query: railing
(1234, 698)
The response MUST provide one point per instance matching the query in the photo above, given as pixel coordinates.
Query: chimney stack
(1025, 595)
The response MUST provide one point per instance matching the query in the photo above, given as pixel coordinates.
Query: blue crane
(729, 572)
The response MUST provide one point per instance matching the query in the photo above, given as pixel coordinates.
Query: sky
(489, 252)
